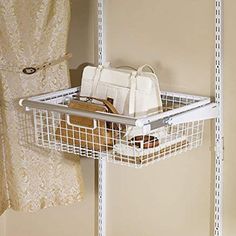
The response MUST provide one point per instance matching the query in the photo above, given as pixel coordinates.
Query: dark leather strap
(108, 105)
(146, 140)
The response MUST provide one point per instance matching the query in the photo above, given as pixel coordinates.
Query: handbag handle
(96, 78)
(133, 84)
(128, 67)
(81, 126)
(141, 68)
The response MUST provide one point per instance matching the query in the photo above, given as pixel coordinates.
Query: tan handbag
(82, 132)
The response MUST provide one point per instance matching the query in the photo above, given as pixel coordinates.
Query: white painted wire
(52, 131)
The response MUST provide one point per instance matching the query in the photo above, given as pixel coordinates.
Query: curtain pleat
(31, 178)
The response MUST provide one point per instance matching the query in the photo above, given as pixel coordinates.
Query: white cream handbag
(133, 92)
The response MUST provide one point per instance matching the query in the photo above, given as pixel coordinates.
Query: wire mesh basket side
(113, 141)
(172, 140)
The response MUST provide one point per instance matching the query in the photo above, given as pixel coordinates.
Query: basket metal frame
(201, 109)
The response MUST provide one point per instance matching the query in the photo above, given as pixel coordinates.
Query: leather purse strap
(108, 105)
(96, 79)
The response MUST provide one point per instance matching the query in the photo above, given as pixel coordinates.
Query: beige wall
(171, 197)
(3, 225)
(81, 40)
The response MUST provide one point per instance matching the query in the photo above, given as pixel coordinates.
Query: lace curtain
(32, 33)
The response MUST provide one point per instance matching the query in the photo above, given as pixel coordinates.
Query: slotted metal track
(219, 136)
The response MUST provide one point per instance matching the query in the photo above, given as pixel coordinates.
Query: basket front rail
(201, 110)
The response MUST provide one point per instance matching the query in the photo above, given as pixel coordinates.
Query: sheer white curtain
(32, 33)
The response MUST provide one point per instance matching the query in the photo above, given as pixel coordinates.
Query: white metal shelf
(179, 128)
(194, 108)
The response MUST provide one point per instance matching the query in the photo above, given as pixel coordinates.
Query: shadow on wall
(80, 38)
(76, 74)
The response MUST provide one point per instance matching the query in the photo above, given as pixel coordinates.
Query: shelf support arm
(209, 111)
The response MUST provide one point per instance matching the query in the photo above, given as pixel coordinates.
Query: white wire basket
(179, 128)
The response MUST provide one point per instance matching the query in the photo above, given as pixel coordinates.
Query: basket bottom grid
(179, 140)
